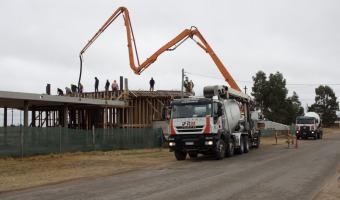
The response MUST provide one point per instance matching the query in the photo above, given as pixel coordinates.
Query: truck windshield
(190, 110)
(305, 121)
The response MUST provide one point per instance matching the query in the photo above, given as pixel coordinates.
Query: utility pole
(245, 89)
(182, 81)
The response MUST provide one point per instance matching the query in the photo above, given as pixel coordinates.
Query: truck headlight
(209, 142)
(172, 144)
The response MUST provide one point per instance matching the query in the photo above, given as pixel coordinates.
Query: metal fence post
(93, 137)
(59, 138)
(275, 136)
(21, 141)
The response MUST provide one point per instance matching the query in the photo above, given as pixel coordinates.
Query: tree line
(271, 97)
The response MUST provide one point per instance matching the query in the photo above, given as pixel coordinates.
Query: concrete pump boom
(171, 45)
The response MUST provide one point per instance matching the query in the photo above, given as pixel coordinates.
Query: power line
(215, 77)
(292, 84)
(314, 84)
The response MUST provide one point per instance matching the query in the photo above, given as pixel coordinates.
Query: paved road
(274, 172)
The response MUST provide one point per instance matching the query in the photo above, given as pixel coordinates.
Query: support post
(5, 116)
(25, 114)
(182, 83)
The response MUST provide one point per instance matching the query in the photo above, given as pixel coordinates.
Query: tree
(259, 90)
(270, 94)
(325, 104)
(294, 108)
(277, 97)
(271, 97)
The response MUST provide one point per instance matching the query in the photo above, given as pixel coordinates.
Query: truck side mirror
(219, 109)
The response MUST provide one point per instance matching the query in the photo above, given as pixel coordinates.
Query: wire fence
(21, 141)
(269, 133)
(28, 141)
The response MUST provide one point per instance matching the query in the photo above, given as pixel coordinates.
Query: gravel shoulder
(331, 190)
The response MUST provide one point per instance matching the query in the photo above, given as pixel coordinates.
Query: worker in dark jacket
(96, 84)
(107, 85)
(152, 84)
(74, 88)
(60, 92)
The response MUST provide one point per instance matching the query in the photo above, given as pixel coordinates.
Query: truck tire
(240, 150)
(319, 135)
(220, 149)
(230, 147)
(257, 142)
(180, 155)
(315, 136)
(193, 155)
(246, 144)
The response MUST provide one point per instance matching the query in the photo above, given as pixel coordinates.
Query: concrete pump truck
(218, 124)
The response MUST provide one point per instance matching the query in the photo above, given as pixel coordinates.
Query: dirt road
(266, 173)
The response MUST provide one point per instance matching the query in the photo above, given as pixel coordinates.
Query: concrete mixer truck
(308, 125)
(219, 124)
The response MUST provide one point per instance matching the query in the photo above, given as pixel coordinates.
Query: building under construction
(122, 109)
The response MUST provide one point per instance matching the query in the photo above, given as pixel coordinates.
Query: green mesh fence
(268, 133)
(19, 141)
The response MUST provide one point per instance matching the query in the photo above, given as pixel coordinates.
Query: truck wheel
(220, 149)
(230, 147)
(240, 150)
(180, 155)
(315, 136)
(257, 142)
(321, 134)
(245, 143)
(193, 155)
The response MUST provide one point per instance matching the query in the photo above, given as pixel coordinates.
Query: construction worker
(60, 92)
(68, 90)
(152, 84)
(81, 88)
(74, 88)
(96, 84)
(107, 85)
(114, 87)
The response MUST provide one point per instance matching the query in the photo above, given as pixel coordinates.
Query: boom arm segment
(171, 45)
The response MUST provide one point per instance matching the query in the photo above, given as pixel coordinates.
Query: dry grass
(19, 173)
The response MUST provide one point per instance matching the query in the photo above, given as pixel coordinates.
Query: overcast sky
(40, 41)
